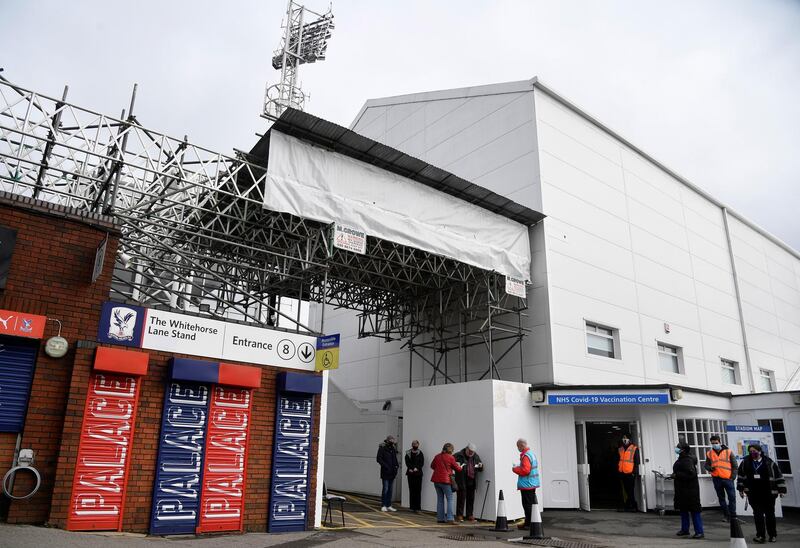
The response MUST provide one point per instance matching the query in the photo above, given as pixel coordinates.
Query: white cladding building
(642, 284)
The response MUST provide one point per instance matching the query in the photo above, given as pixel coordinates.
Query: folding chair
(329, 501)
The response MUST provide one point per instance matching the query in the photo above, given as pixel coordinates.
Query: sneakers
(759, 540)
(391, 509)
(773, 539)
(682, 533)
(698, 535)
(384, 509)
(471, 519)
(459, 518)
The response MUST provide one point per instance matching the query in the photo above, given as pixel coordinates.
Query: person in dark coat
(762, 481)
(387, 458)
(414, 462)
(687, 490)
(467, 481)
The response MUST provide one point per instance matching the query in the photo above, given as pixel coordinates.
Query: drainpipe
(748, 362)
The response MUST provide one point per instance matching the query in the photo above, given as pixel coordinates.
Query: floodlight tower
(303, 42)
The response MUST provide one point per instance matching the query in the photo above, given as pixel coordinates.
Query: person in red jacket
(444, 465)
(527, 472)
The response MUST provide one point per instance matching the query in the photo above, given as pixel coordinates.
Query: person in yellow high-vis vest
(721, 464)
(628, 469)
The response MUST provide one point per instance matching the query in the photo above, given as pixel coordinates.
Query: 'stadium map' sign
(152, 329)
(608, 399)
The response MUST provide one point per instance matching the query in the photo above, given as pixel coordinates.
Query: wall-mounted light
(124, 259)
(537, 396)
(56, 347)
(676, 394)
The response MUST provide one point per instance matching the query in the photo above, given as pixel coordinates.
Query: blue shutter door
(16, 374)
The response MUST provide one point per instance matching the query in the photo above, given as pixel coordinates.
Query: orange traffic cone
(737, 538)
(501, 523)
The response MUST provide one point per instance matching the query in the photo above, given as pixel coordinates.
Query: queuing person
(687, 490)
(762, 481)
(527, 472)
(444, 465)
(415, 460)
(387, 458)
(721, 464)
(628, 469)
(467, 481)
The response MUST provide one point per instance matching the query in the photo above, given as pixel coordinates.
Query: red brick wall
(142, 469)
(51, 275)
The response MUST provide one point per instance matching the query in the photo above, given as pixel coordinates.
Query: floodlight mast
(303, 42)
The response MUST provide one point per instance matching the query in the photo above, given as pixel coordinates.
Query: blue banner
(291, 463)
(608, 399)
(176, 493)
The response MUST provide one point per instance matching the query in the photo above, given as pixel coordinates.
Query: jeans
(386, 492)
(444, 490)
(697, 521)
(725, 487)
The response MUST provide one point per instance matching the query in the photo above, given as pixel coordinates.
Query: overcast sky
(710, 88)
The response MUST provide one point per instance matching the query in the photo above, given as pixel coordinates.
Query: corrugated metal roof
(345, 141)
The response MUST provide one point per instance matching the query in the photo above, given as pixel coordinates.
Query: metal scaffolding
(196, 238)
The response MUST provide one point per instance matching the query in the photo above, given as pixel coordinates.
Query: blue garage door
(16, 373)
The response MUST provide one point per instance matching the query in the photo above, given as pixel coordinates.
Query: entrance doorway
(602, 443)
(598, 444)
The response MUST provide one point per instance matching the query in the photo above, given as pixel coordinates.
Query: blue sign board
(176, 493)
(121, 324)
(291, 463)
(16, 375)
(608, 399)
(748, 428)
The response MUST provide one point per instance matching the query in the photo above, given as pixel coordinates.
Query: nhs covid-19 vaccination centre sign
(151, 329)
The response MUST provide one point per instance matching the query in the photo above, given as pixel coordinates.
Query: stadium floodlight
(303, 42)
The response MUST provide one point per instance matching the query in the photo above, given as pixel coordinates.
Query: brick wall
(145, 445)
(51, 276)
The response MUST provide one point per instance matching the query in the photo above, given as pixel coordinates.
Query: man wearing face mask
(628, 469)
(387, 458)
(762, 481)
(721, 464)
(414, 461)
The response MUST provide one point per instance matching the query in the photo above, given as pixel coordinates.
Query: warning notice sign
(349, 239)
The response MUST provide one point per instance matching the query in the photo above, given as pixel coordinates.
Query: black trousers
(414, 491)
(764, 514)
(467, 494)
(628, 492)
(527, 503)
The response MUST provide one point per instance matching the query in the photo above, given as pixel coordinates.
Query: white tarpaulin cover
(315, 183)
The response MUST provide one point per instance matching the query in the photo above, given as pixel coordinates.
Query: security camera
(124, 259)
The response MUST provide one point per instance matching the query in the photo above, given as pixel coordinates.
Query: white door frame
(584, 499)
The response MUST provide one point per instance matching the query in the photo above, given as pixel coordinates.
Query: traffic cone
(537, 531)
(501, 523)
(737, 538)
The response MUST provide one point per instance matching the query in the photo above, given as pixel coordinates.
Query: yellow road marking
(386, 514)
(359, 520)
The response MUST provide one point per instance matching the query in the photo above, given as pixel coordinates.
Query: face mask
(415, 447)
(626, 442)
(677, 450)
(754, 455)
(716, 447)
